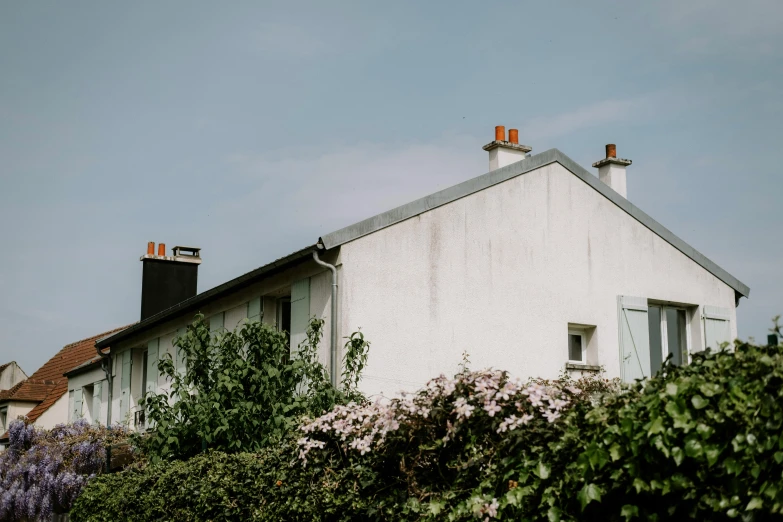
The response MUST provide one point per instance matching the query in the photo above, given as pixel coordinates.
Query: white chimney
(502, 152)
(611, 170)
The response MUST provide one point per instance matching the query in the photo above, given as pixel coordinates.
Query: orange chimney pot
(611, 150)
(500, 133)
(151, 248)
(162, 249)
(513, 136)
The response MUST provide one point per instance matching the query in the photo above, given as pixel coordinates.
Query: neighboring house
(42, 397)
(10, 375)
(535, 267)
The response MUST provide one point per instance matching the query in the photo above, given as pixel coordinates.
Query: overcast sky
(249, 130)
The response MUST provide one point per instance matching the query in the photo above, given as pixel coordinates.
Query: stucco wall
(18, 409)
(500, 274)
(11, 376)
(56, 414)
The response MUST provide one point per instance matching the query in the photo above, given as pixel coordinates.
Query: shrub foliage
(701, 441)
(241, 391)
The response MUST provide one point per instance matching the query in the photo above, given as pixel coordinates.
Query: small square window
(576, 346)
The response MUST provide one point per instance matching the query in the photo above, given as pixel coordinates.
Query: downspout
(333, 341)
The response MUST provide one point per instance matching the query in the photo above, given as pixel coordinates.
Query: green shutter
(77, 404)
(97, 389)
(634, 339)
(125, 380)
(151, 386)
(254, 309)
(300, 312)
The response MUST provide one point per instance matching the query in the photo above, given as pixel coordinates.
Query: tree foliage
(242, 390)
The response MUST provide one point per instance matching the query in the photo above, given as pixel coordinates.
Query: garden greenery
(701, 441)
(42, 472)
(242, 390)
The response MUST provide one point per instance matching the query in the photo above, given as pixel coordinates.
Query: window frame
(4, 418)
(583, 337)
(664, 329)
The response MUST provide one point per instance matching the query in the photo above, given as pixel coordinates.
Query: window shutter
(70, 406)
(634, 339)
(216, 322)
(179, 363)
(125, 379)
(77, 404)
(151, 386)
(97, 389)
(254, 309)
(300, 312)
(717, 327)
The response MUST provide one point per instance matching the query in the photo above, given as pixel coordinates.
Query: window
(577, 347)
(284, 314)
(649, 333)
(3, 419)
(668, 329)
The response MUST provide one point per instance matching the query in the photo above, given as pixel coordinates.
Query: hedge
(701, 441)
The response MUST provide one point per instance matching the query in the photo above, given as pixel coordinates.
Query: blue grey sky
(249, 129)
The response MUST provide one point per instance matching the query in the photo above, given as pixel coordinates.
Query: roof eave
(194, 302)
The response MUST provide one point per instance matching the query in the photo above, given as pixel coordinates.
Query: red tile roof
(48, 384)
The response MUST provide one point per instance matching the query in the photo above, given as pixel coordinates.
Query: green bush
(241, 390)
(701, 441)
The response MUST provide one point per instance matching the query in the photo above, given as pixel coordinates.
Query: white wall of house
(16, 409)
(10, 376)
(56, 414)
(501, 273)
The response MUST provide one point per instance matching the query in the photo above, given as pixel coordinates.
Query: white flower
(491, 408)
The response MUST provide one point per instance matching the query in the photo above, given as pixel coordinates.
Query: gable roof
(471, 186)
(48, 383)
(435, 200)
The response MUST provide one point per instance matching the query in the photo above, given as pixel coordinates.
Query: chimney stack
(504, 152)
(167, 280)
(611, 170)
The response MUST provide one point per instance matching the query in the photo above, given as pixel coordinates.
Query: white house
(43, 398)
(534, 267)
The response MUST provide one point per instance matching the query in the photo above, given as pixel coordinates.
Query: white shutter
(717, 327)
(151, 386)
(254, 309)
(634, 338)
(97, 389)
(125, 380)
(77, 404)
(300, 312)
(180, 355)
(70, 406)
(216, 323)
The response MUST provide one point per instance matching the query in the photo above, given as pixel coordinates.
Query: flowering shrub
(42, 472)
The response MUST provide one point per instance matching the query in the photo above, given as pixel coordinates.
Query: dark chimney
(167, 280)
